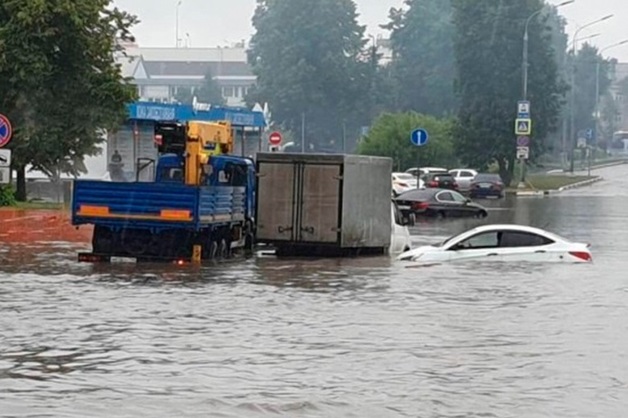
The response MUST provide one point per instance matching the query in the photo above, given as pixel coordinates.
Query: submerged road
(328, 338)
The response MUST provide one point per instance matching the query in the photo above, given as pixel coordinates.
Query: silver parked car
(464, 177)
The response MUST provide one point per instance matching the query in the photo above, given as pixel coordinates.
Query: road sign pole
(419, 138)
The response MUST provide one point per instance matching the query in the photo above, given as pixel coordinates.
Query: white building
(160, 73)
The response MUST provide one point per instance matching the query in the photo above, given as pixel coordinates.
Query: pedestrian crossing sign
(523, 127)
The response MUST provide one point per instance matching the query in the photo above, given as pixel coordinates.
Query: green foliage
(309, 60)
(60, 84)
(488, 48)
(585, 67)
(424, 65)
(209, 92)
(7, 196)
(390, 137)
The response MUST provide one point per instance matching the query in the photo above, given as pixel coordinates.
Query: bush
(390, 137)
(7, 196)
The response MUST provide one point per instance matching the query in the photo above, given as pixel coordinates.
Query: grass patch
(553, 181)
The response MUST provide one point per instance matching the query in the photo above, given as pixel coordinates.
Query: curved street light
(573, 89)
(525, 66)
(584, 38)
(177, 24)
(525, 44)
(597, 83)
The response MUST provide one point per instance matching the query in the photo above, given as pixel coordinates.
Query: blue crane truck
(200, 205)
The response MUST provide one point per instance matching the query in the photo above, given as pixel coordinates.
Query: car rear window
(488, 177)
(443, 177)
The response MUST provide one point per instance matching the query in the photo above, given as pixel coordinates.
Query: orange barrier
(29, 226)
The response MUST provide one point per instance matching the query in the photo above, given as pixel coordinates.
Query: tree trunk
(20, 194)
(506, 170)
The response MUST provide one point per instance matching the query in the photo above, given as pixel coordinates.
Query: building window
(228, 91)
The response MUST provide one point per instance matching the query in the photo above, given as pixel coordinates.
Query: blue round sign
(419, 137)
(5, 130)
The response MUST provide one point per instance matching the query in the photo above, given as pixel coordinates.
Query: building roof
(187, 68)
(190, 54)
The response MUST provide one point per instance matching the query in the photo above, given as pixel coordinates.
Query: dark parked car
(440, 181)
(487, 185)
(440, 203)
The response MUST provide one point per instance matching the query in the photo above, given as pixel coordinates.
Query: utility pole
(572, 132)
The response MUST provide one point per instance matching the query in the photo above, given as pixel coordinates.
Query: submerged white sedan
(502, 243)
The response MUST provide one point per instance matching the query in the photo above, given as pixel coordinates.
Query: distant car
(402, 182)
(420, 172)
(438, 203)
(440, 181)
(463, 177)
(487, 185)
(502, 243)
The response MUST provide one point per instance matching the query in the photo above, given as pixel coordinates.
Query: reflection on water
(325, 338)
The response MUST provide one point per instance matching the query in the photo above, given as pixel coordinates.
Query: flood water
(327, 338)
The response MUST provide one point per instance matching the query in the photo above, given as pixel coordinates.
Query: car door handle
(493, 255)
(540, 252)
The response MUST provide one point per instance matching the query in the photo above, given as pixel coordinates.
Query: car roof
(514, 227)
(419, 193)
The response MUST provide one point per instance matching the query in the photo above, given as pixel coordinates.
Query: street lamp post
(525, 66)
(176, 30)
(573, 89)
(597, 85)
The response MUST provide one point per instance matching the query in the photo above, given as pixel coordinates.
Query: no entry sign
(5, 130)
(275, 138)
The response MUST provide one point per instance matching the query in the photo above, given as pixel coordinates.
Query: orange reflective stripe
(179, 215)
(87, 210)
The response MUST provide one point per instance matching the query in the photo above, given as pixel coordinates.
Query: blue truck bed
(156, 205)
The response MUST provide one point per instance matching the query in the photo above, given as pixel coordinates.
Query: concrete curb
(542, 193)
(594, 167)
(581, 184)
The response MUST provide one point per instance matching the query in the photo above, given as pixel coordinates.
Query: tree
(309, 60)
(424, 62)
(390, 137)
(488, 46)
(60, 84)
(209, 92)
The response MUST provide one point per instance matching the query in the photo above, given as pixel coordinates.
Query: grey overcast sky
(221, 22)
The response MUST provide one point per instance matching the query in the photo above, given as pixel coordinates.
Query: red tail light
(455, 185)
(433, 183)
(402, 184)
(582, 255)
(420, 205)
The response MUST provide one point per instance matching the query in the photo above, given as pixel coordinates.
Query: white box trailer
(323, 204)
